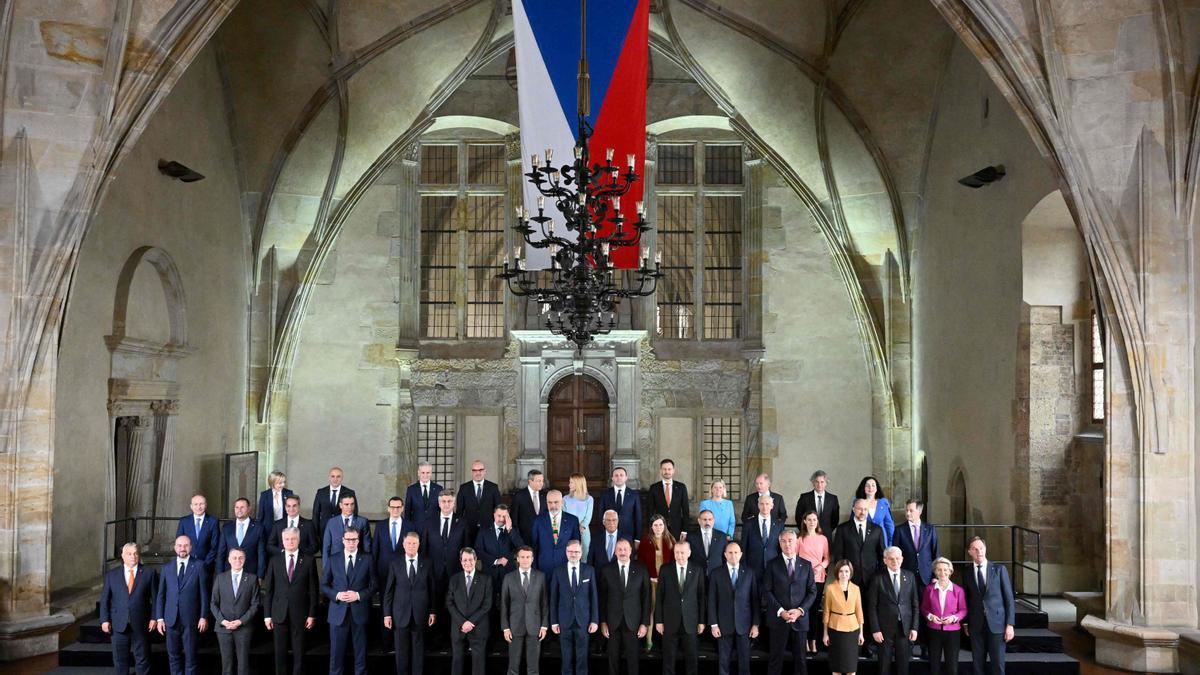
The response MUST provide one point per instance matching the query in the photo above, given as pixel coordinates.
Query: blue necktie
(733, 577)
(609, 548)
(241, 532)
(394, 542)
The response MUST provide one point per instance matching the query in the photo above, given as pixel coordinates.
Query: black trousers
(943, 651)
(409, 642)
(292, 632)
(622, 642)
(726, 644)
(987, 645)
(134, 638)
(782, 636)
(672, 641)
(896, 650)
(477, 640)
(235, 648)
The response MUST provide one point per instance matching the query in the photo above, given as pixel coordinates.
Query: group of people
(463, 568)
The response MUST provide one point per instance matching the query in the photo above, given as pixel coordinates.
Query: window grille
(436, 444)
(722, 455)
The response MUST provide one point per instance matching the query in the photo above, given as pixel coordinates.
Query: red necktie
(668, 494)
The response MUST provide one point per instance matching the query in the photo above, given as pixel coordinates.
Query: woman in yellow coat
(843, 619)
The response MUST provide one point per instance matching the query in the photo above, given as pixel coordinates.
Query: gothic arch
(172, 285)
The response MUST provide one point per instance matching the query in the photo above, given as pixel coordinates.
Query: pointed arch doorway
(578, 432)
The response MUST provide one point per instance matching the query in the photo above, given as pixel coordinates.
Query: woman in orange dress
(656, 547)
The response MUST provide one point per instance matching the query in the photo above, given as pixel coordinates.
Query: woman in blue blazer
(276, 488)
(879, 509)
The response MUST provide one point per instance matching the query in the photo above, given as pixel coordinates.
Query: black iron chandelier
(581, 298)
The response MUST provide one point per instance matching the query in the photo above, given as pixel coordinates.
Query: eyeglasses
(477, 470)
(395, 506)
(349, 539)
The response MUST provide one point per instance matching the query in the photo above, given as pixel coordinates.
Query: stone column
(532, 456)
(143, 460)
(166, 419)
(407, 257)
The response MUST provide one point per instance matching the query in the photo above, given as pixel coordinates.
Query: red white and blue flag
(547, 41)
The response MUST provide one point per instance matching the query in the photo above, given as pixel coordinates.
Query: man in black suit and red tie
(127, 608)
(290, 600)
(327, 503)
(669, 498)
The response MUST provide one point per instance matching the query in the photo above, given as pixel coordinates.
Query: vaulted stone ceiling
(838, 95)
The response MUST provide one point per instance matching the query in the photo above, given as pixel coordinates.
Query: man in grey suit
(524, 613)
(468, 601)
(234, 602)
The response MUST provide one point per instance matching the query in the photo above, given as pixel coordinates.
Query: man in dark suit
(477, 499)
(893, 613)
(991, 609)
(527, 504)
(824, 504)
(574, 609)
(310, 542)
(348, 583)
(290, 600)
(604, 547)
(497, 544)
(388, 542)
(709, 544)
(331, 544)
(679, 609)
(624, 608)
(733, 609)
(203, 531)
(181, 606)
(234, 602)
(861, 542)
(327, 503)
(762, 486)
(627, 502)
(443, 537)
(789, 591)
(524, 613)
(918, 542)
(552, 531)
(760, 537)
(469, 601)
(407, 605)
(127, 609)
(669, 498)
(421, 498)
(245, 533)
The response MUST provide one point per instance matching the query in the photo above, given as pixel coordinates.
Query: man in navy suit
(348, 583)
(203, 531)
(604, 547)
(627, 502)
(528, 503)
(388, 541)
(181, 608)
(733, 609)
(477, 500)
(918, 542)
(552, 531)
(574, 608)
(331, 545)
(407, 605)
(421, 498)
(497, 544)
(310, 542)
(126, 610)
(247, 534)
(327, 503)
(708, 547)
(444, 535)
(789, 591)
(991, 609)
(760, 537)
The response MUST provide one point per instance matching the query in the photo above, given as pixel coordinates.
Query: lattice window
(1098, 391)
(700, 237)
(437, 445)
(721, 454)
(462, 240)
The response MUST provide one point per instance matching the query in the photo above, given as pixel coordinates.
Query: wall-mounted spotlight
(983, 176)
(179, 171)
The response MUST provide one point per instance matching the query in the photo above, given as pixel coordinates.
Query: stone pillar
(406, 421)
(533, 454)
(143, 461)
(166, 419)
(407, 257)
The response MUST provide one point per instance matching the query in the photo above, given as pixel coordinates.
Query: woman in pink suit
(944, 606)
(813, 547)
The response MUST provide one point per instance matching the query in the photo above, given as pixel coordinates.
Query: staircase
(1036, 650)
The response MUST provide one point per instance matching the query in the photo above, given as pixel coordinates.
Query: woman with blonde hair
(721, 507)
(656, 547)
(580, 504)
(843, 616)
(271, 500)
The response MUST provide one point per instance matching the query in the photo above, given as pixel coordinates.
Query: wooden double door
(578, 433)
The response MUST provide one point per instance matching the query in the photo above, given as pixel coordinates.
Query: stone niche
(545, 359)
